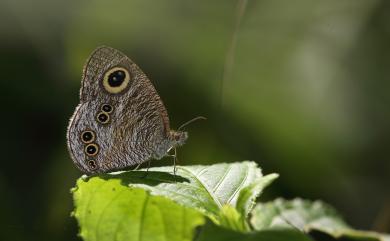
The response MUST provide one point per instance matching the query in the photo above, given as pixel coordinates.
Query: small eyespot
(87, 136)
(116, 80)
(91, 149)
(92, 164)
(107, 108)
(103, 117)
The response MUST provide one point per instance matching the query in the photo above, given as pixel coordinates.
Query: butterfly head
(178, 138)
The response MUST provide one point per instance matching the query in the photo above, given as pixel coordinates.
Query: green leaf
(247, 197)
(206, 188)
(230, 217)
(223, 192)
(108, 210)
(315, 218)
(212, 232)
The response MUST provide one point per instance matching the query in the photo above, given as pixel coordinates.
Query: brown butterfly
(121, 120)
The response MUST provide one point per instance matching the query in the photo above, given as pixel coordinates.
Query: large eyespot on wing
(116, 80)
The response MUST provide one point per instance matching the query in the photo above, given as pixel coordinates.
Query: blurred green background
(302, 87)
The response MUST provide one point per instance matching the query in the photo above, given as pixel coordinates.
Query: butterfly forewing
(120, 107)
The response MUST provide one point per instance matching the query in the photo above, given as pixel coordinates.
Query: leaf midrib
(204, 186)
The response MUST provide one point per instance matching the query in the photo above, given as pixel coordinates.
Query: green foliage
(315, 218)
(212, 232)
(108, 210)
(157, 205)
(217, 191)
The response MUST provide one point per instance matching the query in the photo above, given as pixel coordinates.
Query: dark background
(302, 87)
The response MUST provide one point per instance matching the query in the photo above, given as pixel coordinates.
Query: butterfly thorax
(174, 139)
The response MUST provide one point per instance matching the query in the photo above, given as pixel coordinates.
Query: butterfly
(121, 121)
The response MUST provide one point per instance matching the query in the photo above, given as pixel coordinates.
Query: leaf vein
(99, 219)
(142, 218)
(239, 187)
(93, 193)
(119, 223)
(222, 178)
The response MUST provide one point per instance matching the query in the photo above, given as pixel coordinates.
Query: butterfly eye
(116, 80)
(177, 138)
(103, 117)
(92, 164)
(91, 149)
(87, 136)
(107, 108)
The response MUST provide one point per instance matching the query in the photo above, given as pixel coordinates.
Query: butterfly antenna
(192, 120)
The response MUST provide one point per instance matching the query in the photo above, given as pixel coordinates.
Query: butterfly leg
(137, 167)
(174, 156)
(175, 160)
(147, 169)
(174, 163)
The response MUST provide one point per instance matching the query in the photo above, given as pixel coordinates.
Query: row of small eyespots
(88, 137)
(90, 149)
(103, 116)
